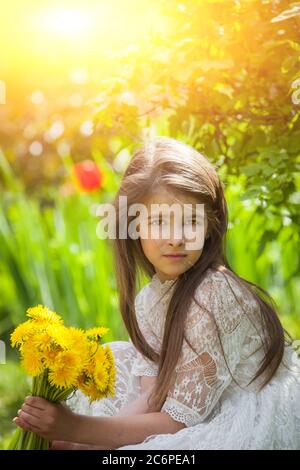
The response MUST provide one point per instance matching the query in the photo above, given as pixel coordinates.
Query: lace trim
(139, 369)
(161, 287)
(180, 412)
(149, 372)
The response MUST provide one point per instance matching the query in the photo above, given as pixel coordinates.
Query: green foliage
(221, 77)
(255, 253)
(14, 386)
(50, 254)
(53, 256)
(225, 88)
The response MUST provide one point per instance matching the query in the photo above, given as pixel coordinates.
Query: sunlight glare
(64, 21)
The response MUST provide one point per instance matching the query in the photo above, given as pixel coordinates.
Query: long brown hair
(169, 163)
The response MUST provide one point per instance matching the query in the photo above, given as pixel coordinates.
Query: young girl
(207, 365)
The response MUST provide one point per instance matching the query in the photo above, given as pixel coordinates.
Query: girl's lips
(175, 256)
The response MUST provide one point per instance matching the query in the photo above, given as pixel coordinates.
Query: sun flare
(64, 21)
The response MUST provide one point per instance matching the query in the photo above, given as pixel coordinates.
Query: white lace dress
(218, 413)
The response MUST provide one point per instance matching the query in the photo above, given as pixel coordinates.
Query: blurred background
(81, 84)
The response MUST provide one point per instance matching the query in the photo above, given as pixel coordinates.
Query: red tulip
(88, 175)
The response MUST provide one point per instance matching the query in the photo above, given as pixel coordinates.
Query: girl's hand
(64, 445)
(48, 420)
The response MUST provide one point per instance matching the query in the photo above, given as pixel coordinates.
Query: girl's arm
(58, 422)
(116, 431)
(140, 404)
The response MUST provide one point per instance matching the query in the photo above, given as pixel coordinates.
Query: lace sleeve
(202, 377)
(142, 365)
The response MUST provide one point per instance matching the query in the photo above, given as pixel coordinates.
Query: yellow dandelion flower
(32, 364)
(97, 332)
(49, 357)
(42, 314)
(90, 368)
(95, 394)
(75, 339)
(82, 383)
(109, 357)
(31, 359)
(22, 332)
(100, 355)
(99, 359)
(66, 369)
(101, 377)
(71, 356)
(112, 379)
(59, 335)
(83, 350)
(90, 389)
(71, 338)
(43, 339)
(81, 380)
(63, 377)
(75, 336)
(96, 355)
(69, 359)
(110, 391)
(92, 347)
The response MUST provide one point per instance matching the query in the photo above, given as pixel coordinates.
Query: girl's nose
(176, 236)
(175, 244)
(175, 241)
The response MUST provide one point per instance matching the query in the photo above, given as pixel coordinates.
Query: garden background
(82, 83)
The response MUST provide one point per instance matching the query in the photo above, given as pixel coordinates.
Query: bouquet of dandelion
(61, 359)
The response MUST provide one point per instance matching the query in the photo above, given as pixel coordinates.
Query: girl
(207, 365)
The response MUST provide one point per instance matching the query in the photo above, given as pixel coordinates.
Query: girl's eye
(191, 221)
(157, 222)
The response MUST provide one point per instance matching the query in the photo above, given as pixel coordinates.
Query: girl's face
(158, 249)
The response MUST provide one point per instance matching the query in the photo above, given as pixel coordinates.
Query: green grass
(14, 386)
